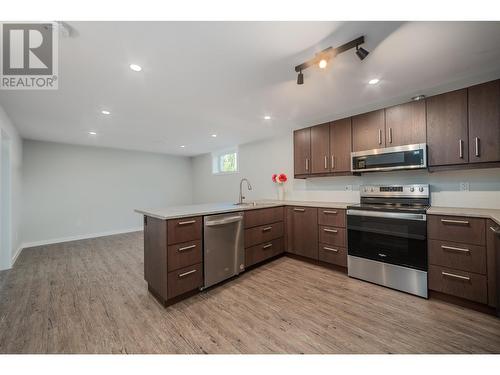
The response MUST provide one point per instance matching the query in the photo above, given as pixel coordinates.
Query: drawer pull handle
(495, 230)
(299, 209)
(186, 248)
(330, 230)
(326, 212)
(266, 229)
(460, 222)
(186, 222)
(267, 246)
(452, 248)
(330, 249)
(455, 276)
(181, 275)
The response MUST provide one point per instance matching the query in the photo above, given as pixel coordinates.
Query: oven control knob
(412, 189)
(421, 189)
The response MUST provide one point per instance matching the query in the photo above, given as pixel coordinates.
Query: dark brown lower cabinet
(333, 254)
(493, 261)
(302, 231)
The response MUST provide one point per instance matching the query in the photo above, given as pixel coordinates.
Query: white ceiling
(201, 78)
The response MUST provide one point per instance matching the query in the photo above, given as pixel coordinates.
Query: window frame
(217, 160)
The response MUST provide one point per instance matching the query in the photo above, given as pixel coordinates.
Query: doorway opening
(5, 202)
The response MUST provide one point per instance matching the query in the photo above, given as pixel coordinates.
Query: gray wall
(75, 192)
(259, 160)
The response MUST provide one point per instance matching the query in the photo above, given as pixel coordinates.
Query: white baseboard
(14, 257)
(79, 237)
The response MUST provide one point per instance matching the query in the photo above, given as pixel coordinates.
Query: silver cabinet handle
(267, 246)
(332, 162)
(460, 222)
(330, 249)
(390, 135)
(299, 209)
(326, 162)
(495, 229)
(452, 248)
(477, 145)
(186, 222)
(380, 136)
(461, 148)
(266, 229)
(186, 248)
(307, 164)
(328, 212)
(455, 276)
(181, 275)
(382, 255)
(330, 230)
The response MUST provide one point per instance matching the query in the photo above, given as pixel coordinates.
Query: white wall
(15, 149)
(75, 192)
(259, 160)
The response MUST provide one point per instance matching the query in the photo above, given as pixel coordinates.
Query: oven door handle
(388, 215)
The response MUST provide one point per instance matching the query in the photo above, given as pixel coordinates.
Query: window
(225, 161)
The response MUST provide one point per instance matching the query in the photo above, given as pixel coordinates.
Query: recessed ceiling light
(214, 135)
(267, 117)
(182, 146)
(104, 112)
(374, 81)
(323, 63)
(92, 133)
(135, 67)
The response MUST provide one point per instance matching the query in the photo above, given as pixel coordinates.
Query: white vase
(281, 192)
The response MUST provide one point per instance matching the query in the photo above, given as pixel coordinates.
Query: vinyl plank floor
(90, 296)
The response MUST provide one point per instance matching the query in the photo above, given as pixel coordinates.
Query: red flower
(282, 177)
(274, 177)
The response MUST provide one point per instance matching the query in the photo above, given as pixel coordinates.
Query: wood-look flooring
(89, 296)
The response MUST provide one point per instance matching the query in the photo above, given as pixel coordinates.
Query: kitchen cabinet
(320, 148)
(484, 122)
(340, 145)
(368, 131)
(302, 231)
(493, 261)
(302, 151)
(405, 124)
(447, 131)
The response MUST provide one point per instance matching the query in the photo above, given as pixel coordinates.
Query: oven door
(390, 237)
(390, 158)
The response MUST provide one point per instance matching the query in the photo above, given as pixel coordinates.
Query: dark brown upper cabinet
(368, 131)
(340, 145)
(302, 151)
(405, 124)
(484, 122)
(447, 138)
(320, 148)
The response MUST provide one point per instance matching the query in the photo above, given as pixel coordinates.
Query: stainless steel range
(387, 237)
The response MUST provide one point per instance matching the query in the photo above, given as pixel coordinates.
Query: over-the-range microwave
(390, 158)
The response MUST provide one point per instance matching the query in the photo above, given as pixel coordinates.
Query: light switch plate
(464, 186)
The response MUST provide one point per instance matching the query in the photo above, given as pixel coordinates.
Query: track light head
(300, 78)
(361, 52)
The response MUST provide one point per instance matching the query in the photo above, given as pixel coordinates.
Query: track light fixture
(322, 58)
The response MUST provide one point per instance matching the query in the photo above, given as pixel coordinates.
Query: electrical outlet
(348, 188)
(464, 186)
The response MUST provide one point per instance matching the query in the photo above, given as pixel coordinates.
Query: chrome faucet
(241, 189)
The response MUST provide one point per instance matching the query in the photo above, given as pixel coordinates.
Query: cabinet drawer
(184, 280)
(258, 253)
(332, 236)
(254, 218)
(459, 229)
(184, 230)
(264, 233)
(184, 254)
(462, 284)
(332, 217)
(459, 256)
(333, 254)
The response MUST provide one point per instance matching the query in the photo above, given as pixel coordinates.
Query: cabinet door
(405, 124)
(447, 138)
(340, 145)
(492, 261)
(368, 131)
(320, 148)
(484, 122)
(303, 231)
(302, 151)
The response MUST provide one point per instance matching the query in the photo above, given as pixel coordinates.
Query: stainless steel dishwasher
(224, 252)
